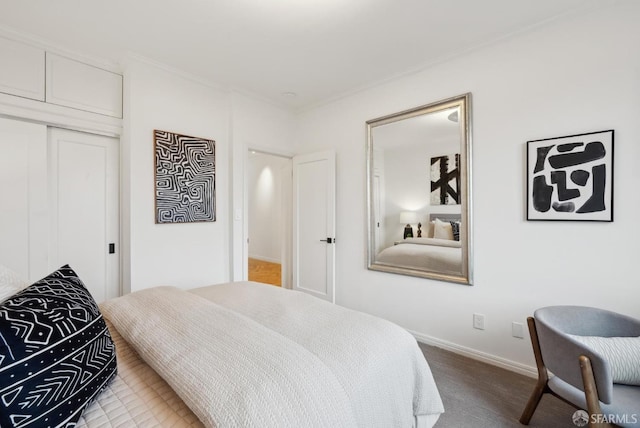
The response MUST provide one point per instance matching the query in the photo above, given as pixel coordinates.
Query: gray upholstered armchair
(582, 377)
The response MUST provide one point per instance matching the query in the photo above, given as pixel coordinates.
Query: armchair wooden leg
(541, 387)
(591, 394)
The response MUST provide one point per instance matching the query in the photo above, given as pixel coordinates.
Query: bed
(237, 354)
(439, 251)
(424, 253)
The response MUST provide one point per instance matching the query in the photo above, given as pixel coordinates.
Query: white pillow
(442, 230)
(430, 232)
(622, 353)
(10, 283)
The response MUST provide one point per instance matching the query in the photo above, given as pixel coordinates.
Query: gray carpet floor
(480, 395)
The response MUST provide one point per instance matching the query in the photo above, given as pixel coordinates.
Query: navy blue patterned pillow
(56, 353)
(455, 228)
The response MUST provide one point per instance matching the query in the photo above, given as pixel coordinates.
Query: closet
(60, 204)
(59, 186)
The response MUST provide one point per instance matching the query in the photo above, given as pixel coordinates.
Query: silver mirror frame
(464, 103)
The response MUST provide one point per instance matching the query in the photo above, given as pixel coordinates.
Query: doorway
(269, 208)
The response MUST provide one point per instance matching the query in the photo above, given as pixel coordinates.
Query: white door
(84, 200)
(314, 224)
(23, 195)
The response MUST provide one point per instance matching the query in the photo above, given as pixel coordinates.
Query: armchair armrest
(561, 355)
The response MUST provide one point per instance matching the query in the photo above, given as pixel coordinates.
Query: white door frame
(239, 209)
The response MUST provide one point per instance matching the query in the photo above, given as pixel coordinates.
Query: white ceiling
(318, 49)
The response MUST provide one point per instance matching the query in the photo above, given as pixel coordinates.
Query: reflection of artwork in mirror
(417, 209)
(445, 180)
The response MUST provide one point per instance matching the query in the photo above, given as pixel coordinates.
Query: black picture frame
(571, 178)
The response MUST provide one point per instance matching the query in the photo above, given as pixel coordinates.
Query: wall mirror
(418, 187)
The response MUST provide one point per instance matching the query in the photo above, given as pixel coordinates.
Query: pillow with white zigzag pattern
(622, 353)
(56, 353)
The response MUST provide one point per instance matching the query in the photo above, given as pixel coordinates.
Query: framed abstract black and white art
(185, 177)
(571, 178)
(445, 180)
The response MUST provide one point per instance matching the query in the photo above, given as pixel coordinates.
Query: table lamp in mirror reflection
(406, 218)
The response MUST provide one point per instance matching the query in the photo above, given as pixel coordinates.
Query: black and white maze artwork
(569, 168)
(185, 178)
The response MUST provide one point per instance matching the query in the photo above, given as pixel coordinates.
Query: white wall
(572, 76)
(183, 255)
(195, 254)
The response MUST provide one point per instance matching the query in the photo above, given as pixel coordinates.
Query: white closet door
(23, 192)
(84, 199)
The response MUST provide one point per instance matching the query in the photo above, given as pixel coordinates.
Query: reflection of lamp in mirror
(406, 218)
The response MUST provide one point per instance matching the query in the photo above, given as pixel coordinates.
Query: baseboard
(476, 355)
(265, 259)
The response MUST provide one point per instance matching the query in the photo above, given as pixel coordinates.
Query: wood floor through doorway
(267, 272)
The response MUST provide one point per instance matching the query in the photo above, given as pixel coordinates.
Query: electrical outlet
(478, 321)
(517, 330)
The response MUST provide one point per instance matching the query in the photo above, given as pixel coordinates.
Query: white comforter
(430, 254)
(246, 354)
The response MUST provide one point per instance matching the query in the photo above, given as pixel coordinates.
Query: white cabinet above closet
(22, 70)
(77, 85)
(45, 81)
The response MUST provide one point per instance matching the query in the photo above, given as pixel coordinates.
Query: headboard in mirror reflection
(419, 162)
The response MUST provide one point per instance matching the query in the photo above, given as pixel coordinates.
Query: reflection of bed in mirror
(439, 251)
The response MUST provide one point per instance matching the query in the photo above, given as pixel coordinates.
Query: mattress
(138, 396)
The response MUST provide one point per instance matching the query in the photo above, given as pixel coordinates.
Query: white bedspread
(253, 355)
(424, 254)
(137, 397)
